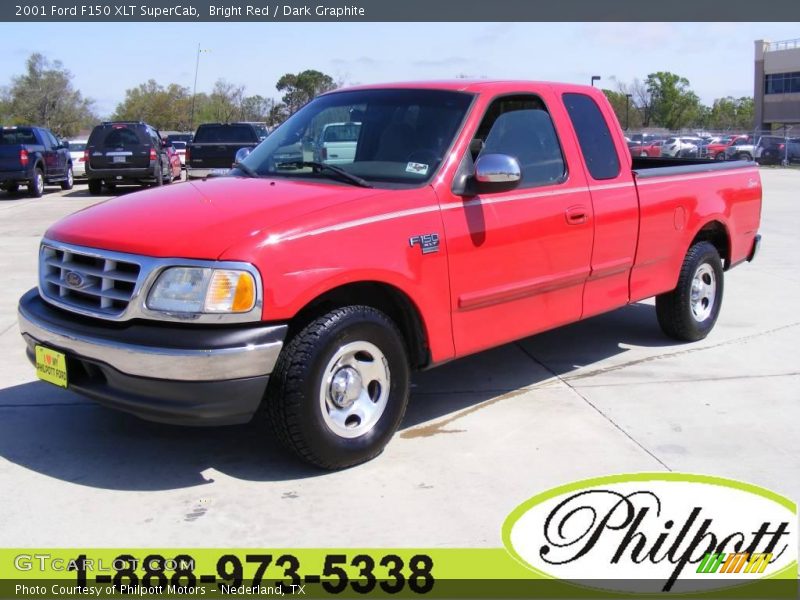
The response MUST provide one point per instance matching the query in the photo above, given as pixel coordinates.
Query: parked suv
(128, 152)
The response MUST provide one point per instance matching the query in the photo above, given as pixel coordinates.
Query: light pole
(627, 110)
(595, 78)
(194, 89)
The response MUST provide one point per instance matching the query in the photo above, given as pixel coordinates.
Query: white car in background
(76, 148)
(180, 150)
(681, 146)
(337, 143)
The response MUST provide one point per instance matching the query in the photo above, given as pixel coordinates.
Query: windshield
(389, 136)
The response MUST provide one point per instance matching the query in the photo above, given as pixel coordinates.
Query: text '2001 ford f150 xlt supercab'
(303, 293)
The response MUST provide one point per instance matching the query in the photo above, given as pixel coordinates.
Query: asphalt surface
(482, 434)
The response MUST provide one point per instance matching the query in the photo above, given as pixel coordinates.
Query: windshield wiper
(320, 167)
(245, 169)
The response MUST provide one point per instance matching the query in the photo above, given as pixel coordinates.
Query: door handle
(577, 215)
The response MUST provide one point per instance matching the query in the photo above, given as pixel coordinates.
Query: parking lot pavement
(607, 395)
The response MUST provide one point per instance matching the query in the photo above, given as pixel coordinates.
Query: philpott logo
(656, 532)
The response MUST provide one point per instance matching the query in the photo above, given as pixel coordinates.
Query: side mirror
(497, 173)
(241, 154)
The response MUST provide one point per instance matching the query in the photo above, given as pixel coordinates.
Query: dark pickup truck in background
(215, 145)
(34, 157)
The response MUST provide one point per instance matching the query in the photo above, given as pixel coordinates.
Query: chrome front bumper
(184, 374)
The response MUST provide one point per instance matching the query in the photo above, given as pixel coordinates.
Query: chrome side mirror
(241, 154)
(497, 172)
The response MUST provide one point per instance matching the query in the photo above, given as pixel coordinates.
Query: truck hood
(198, 219)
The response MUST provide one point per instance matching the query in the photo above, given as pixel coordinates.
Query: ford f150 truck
(303, 294)
(34, 157)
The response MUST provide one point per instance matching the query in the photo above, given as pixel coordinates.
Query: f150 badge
(428, 242)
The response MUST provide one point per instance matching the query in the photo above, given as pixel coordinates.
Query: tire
(36, 185)
(95, 187)
(345, 346)
(69, 182)
(743, 156)
(159, 173)
(719, 156)
(679, 315)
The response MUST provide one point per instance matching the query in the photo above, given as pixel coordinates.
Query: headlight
(202, 290)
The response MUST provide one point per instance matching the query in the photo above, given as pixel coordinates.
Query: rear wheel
(340, 388)
(36, 185)
(719, 156)
(159, 173)
(69, 181)
(95, 187)
(744, 156)
(689, 312)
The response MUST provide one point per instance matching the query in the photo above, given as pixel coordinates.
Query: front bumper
(182, 374)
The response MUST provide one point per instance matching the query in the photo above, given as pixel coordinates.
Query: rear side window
(225, 133)
(594, 136)
(521, 127)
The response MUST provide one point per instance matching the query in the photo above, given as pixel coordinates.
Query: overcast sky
(108, 58)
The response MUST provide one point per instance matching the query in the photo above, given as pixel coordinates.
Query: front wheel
(689, 312)
(340, 388)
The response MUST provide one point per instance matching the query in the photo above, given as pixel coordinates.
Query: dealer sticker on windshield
(417, 168)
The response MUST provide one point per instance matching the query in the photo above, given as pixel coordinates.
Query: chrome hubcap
(355, 389)
(704, 292)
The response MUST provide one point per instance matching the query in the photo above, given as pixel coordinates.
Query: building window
(782, 83)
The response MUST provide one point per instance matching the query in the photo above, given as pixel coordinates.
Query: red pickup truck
(303, 293)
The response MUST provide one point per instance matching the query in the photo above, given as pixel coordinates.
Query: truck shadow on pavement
(62, 435)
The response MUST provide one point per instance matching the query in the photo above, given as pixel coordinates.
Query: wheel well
(386, 298)
(717, 235)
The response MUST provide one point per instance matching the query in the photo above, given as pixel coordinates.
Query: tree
(165, 108)
(626, 111)
(302, 87)
(44, 96)
(731, 113)
(674, 104)
(255, 108)
(224, 102)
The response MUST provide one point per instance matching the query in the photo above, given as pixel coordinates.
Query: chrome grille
(87, 282)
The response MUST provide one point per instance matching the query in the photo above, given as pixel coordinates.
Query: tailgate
(9, 158)
(214, 156)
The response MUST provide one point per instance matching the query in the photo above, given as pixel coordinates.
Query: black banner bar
(397, 10)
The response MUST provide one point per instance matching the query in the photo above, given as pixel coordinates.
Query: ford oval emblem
(73, 279)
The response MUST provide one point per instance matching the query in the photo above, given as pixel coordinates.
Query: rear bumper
(195, 173)
(138, 174)
(185, 375)
(12, 176)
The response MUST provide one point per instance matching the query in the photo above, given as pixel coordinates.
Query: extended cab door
(615, 203)
(519, 259)
(50, 154)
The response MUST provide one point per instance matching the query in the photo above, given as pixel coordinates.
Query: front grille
(87, 282)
